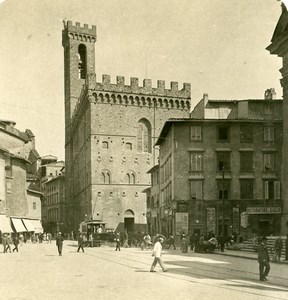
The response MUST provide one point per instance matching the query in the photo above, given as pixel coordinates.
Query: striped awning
(37, 226)
(5, 226)
(28, 225)
(18, 225)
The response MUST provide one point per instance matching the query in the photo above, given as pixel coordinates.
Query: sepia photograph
(143, 149)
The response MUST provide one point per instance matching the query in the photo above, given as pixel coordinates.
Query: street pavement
(37, 272)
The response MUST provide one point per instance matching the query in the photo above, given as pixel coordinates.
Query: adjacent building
(220, 169)
(20, 196)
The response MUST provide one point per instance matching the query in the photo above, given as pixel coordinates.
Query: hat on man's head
(59, 233)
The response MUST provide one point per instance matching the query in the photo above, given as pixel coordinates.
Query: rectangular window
(223, 161)
(196, 133)
(34, 205)
(246, 161)
(197, 189)
(269, 162)
(246, 188)
(272, 190)
(246, 134)
(268, 109)
(268, 134)
(223, 188)
(223, 134)
(196, 161)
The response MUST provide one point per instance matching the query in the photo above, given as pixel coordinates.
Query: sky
(218, 46)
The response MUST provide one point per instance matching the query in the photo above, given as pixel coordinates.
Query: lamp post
(223, 202)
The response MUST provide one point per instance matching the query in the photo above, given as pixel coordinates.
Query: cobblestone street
(37, 272)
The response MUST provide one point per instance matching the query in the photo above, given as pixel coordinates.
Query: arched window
(130, 178)
(105, 177)
(105, 145)
(82, 62)
(144, 136)
(129, 146)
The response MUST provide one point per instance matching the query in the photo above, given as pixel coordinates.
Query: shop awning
(37, 226)
(28, 225)
(18, 225)
(5, 226)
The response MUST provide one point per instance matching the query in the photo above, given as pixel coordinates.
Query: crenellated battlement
(134, 88)
(78, 32)
(133, 94)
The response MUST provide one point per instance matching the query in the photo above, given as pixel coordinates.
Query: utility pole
(223, 202)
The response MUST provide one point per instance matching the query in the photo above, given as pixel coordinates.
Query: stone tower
(279, 46)
(111, 130)
(79, 60)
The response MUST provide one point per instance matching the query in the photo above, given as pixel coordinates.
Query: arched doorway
(129, 220)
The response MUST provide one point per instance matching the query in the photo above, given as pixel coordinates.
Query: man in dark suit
(59, 243)
(263, 259)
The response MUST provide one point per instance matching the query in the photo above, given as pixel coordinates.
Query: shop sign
(263, 210)
(182, 222)
(211, 219)
(244, 219)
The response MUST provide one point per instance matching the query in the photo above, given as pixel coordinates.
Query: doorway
(129, 220)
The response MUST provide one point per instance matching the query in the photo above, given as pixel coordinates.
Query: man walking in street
(263, 259)
(80, 243)
(15, 242)
(117, 240)
(59, 243)
(157, 253)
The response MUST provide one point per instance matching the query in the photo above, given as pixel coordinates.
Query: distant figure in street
(191, 240)
(221, 242)
(59, 243)
(15, 242)
(278, 248)
(80, 243)
(4, 242)
(9, 243)
(117, 240)
(184, 245)
(157, 253)
(49, 237)
(171, 242)
(126, 238)
(263, 259)
(196, 242)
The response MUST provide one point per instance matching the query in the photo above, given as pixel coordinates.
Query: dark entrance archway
(129, 220)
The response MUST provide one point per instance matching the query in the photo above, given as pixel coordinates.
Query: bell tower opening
(82, 64)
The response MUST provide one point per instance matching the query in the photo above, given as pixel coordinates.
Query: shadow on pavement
(259, 287)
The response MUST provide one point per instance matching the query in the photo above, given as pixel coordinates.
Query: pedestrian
(191, 240)
(184, 245)
(278, 248)
(15, 242)
(4, 242)
(157, 253)
(9, 243)
(117, 240)
(171, 242)
(59, 243)
(126, 238)
(80, 243)
(221, 242)
(196, 241)
(263, 259)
